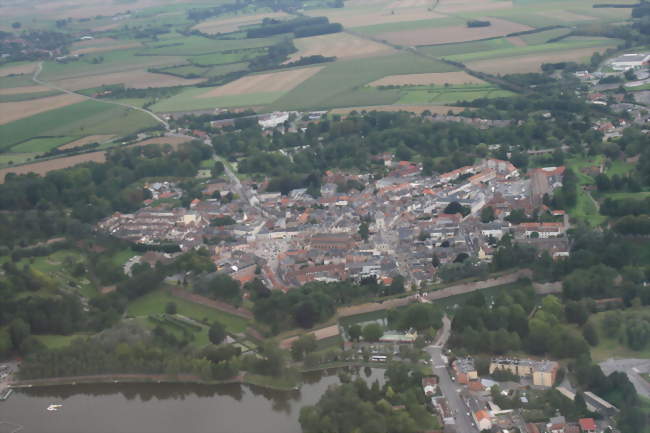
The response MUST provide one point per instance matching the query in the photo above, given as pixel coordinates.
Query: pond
(160, 408)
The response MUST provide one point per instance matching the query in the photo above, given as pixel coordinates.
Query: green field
(334, 85)
(15, 158)
(197, 45)
(154, 303)
(28, 96)
(449, 95)
(114, 61)
(16, 81)
(83, 118)
(407, 25)
(188, 100)
(564, 45)
(227, 58)
(41, 144)
(545, 36)
(466, 47)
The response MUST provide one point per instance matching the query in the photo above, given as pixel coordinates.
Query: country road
(39, 69)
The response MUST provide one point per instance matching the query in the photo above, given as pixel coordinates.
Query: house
(543, 373)
(482, 419)
(465, 370)
(429, 385)
(587, 425)
(556, 424)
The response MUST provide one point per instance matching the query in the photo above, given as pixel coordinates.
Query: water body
(162, 408)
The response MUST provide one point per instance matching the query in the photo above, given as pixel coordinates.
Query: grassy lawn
(154, 303)
(52, 341)
(611, 347)
(621, 195)
(585, 209)
(121, 257)
(619, 167)
(58, 268)
(543, 37)
(28, 96)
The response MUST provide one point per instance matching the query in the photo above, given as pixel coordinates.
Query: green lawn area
(585, 209)
(52, 341)
(619, 167)
(121, 257)
(81, 119)
(154, 303)
(41, 144)
(57, 267)
(10, 82)
(611, 347)
(621, 195)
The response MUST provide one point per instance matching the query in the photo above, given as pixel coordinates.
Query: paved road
(632, 367)
(464, 422)
(450, 389)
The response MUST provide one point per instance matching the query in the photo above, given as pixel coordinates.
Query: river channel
(162, 408)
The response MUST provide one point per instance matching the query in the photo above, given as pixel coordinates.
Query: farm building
(629, 61)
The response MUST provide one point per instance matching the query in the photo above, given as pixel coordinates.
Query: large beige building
(542, 372)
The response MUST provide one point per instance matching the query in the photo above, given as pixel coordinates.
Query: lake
(161, 408)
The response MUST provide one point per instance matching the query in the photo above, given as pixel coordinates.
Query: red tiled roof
(587, 424)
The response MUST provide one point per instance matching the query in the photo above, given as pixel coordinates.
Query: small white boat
(54, 407)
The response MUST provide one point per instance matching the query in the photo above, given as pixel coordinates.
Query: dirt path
(35, 79)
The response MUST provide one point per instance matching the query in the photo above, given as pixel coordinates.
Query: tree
(170, 308)
(217, 169)
(304, 345)
(427, 167)
(19, 330)
(637, 331)
(354, 332)
(435, 260)
(364, 230)
(372, 332)
(397, 285)
(487, 214)
(216, 333)
(590, 333)
(456, 207)
(16, 25)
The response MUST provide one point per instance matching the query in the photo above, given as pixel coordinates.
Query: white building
(629, 61)
(275, 119)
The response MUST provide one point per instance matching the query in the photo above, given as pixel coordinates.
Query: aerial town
(409, 219)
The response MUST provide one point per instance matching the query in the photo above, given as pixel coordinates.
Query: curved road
(35, 79)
